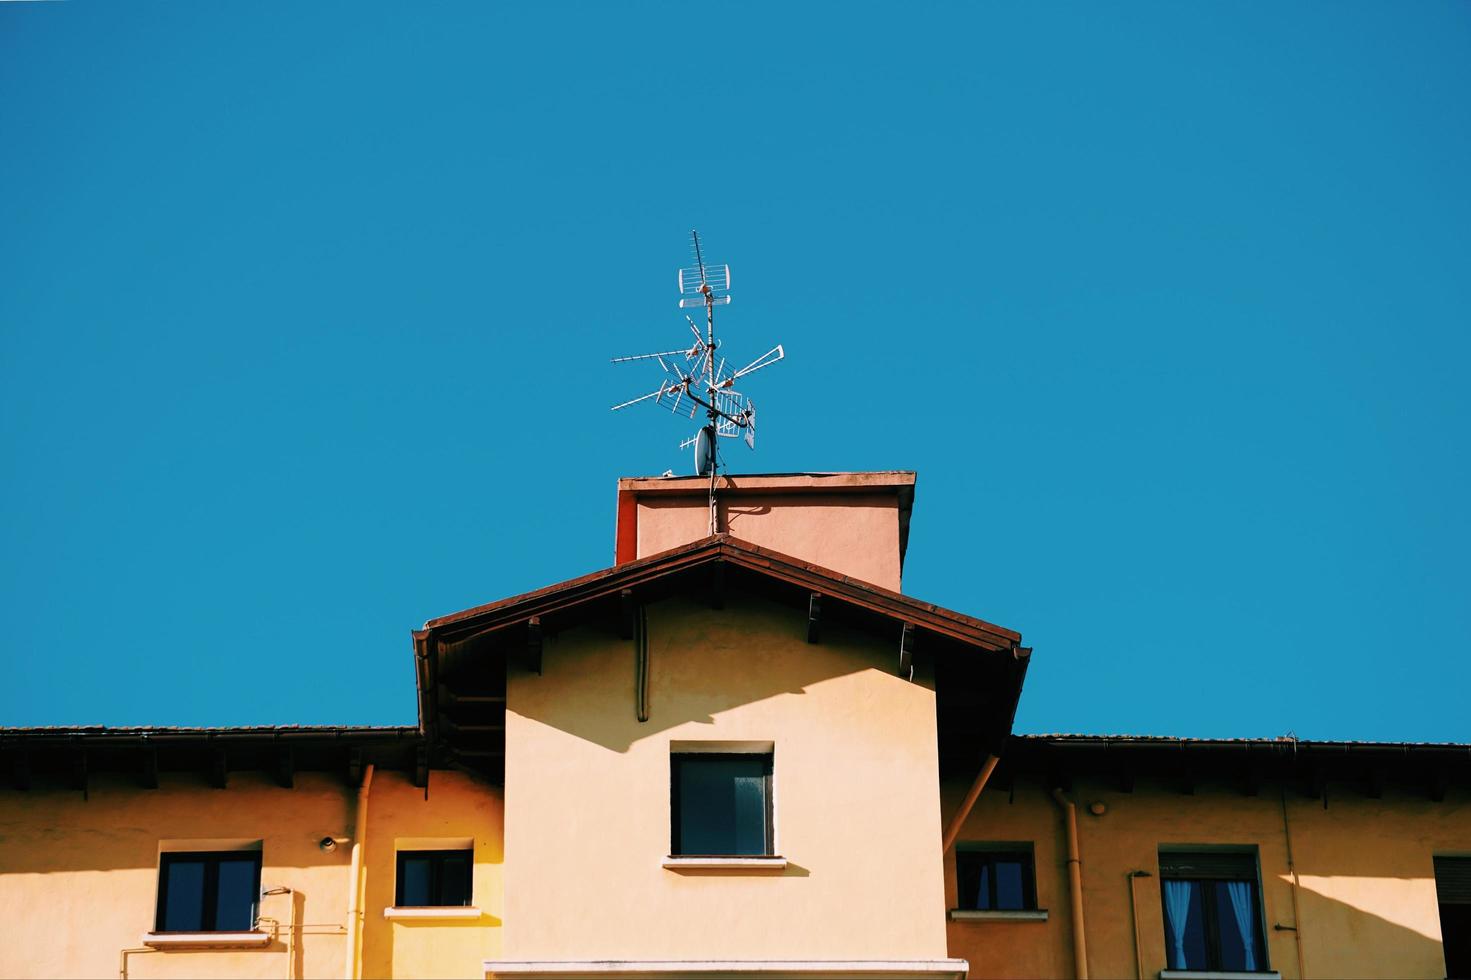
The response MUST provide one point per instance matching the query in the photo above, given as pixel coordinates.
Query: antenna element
(698, 379)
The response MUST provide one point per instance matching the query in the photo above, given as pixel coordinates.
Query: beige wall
(856, 794)
(1367, 896)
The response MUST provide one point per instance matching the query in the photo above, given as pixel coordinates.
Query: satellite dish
(704, 452)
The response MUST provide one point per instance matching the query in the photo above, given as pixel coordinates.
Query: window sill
(206, 940)
(1219, 975)
(725, 969)
(998, 915)
(431, 912)
(742, 863)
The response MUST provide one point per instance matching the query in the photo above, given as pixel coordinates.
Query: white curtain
(1177, 908)
(1242, 906)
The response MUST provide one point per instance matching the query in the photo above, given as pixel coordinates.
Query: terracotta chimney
(853, 523)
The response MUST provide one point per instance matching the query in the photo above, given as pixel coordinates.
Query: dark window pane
(750, 813)
(454, 879)
(1236, 910)
(723, 804)
(183, 888)
(995, 880)
(1455, 928)
(414, 881)
(1009, 893)
(213, 891)
(1185, 938)
(970, 881)
(236, 894)
(434, 878)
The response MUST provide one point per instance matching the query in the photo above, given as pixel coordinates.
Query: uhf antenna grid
(696, 379)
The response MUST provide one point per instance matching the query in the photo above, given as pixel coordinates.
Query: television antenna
(699, 379)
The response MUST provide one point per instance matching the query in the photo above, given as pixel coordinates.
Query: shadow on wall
(1342, 941)
(54, 830)
(701, 662)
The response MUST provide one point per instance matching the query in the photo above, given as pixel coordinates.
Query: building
(746, 754)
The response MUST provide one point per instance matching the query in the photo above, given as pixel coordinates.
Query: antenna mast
(711, 413)
(701, 382)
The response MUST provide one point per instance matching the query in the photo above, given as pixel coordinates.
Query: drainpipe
(1134, 914)
(351, 968)
(1075, 885)
(958, 821)
(1292, 869)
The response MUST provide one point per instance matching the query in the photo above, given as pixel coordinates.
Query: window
(995, 877)
(1453, 892)
(433, 878)
(1212, 906)
(209, 891)
(721, 804)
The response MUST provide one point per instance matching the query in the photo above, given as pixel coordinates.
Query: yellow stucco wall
(459, 807)
(856, 795)
(1367, 896)
(80, 878)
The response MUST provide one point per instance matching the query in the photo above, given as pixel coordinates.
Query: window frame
(1209, 910)
(210, 897)
(436, 857)
(677, 758)
(999, 850)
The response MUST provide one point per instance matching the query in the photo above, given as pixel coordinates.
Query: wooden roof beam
(627, 610)
(533, 644)
(219, 767)
(285, 767)
(149, 776)
(79, 768)
(20, 768)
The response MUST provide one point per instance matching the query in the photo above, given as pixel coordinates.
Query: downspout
(352, 966)
(291, 938)
(966, 805)
(1134, 915)
(1292, 869)
(1075, 885)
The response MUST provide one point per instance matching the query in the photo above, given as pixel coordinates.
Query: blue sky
(307, 311)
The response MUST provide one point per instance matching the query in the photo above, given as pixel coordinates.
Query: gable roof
(461, 658)
(724, 548)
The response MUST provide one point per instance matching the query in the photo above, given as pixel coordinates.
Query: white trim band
(1219, 975)
(206, 940)
(431, 912)
(775, 863)
(729, 969)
